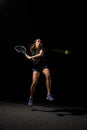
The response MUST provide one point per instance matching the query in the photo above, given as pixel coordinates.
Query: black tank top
(39, 60)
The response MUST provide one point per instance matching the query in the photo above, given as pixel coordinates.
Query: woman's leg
(35, 76)
(46, 72)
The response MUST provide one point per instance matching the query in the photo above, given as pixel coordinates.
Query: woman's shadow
(63, 112)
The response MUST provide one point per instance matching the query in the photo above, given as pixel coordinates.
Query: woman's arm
(27, 56)
(39, 54)
(35, 56)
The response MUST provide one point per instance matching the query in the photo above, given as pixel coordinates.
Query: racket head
(20, 49)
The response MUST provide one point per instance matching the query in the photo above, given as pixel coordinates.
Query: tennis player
(37, 55)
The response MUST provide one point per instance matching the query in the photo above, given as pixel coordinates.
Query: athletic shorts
(39, 68)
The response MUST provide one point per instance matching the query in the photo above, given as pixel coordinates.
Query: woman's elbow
(41, 54)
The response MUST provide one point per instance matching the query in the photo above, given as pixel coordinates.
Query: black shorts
(39, 68)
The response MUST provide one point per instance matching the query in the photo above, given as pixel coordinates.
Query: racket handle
(27, 56)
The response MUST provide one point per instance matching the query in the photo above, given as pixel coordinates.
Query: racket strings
(21, 49)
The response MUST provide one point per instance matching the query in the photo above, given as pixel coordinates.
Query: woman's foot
(30, 102)
(50, 97)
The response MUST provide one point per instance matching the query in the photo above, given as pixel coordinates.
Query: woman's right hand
(27, 56)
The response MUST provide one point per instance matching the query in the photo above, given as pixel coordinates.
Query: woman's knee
(47, 75)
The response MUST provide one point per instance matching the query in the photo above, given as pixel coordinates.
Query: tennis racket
(20, 49)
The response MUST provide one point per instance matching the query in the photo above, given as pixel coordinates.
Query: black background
(21, 22)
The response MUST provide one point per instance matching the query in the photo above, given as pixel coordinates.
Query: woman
(39, 65)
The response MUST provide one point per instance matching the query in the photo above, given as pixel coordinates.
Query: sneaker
(30, 103)
(50, 97)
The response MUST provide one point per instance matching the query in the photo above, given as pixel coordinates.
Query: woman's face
(38, 43)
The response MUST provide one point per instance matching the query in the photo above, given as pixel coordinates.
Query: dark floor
(19, 116)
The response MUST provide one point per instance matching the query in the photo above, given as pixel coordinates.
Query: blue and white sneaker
(30, 102)
(50, 97)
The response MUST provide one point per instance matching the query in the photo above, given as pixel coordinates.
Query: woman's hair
(32, 47)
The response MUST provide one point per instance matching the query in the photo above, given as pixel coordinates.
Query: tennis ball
(67, 52)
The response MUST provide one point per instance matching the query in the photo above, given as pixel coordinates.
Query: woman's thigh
(35, 76)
